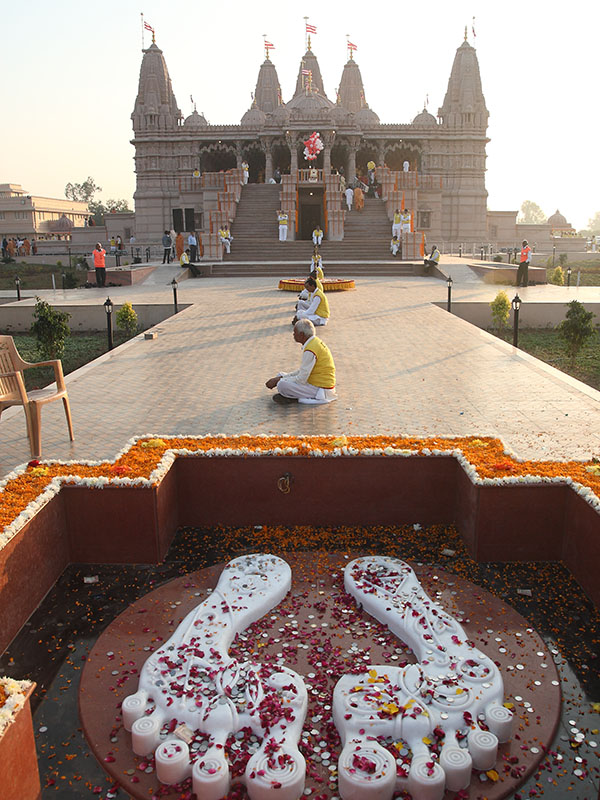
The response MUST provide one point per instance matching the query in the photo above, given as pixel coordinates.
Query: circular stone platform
(319, 632)
(329, 284)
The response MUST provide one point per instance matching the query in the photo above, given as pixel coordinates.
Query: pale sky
(70, 72)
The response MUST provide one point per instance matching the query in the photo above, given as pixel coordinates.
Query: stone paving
(404, 365)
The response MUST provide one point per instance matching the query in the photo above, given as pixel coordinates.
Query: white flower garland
(16, 691)
(169, 456)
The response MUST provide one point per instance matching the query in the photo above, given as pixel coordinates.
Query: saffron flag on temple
(311, 28)
(269, 46)
(352, 46)
(473, 28)
(148, 27)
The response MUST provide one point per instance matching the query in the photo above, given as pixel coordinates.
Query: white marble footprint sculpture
(192, 681)
(440, 717)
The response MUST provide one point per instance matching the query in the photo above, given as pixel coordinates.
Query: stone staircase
(257, 251)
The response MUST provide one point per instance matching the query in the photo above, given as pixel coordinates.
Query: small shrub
(500, 306)
(50, 329)
(562, 259)
(558, 277)
(127, 319)
(81, 263)
(59, 263)
(498, 258)
(577, 328)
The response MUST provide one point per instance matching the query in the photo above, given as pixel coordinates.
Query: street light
(449, 283)
(568, 277)
(174, 284)
(516, 305)
(108, 307)
(18, 285)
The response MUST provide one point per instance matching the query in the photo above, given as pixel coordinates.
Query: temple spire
(464, 103)
(309, 63)
(267, 93)
(155, 105)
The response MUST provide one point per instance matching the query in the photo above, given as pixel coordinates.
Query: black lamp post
(553, 255)
(147, 254)
(516, 305)
(569, 276)
(174, 284)
(18, 285)
(108, 307)
(449, 283)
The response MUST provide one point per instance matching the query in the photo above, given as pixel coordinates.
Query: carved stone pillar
(328, 140)
(380, 153)
(238, 155)
(353, 144)
(266, 146)
(292, 142)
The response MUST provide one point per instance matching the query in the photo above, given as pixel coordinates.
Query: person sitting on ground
(434, 258)
(317, 235)
(395, 245)
(316, 262)
(317, 310)
(225, 238)
(314, 382)
(184, 259)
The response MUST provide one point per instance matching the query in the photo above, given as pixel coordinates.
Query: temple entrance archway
(218, 159)
(255, 156)
(281, 158)
(396, 155)
(310, 211)
(339, 157)
(363, 155)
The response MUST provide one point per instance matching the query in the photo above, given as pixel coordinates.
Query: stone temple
(184, 166)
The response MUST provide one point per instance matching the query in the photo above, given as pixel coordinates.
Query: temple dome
(195, 120)
(557, 220)
(366, 118)
(309, 105)
(254, 118)
(424, 118)
(280, 115)
(340, 116)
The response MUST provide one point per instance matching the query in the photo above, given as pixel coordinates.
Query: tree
(594, 223)
(531, 213)
(82, 191)
(51, 329)
(577, 328)
(99, 209)
(500, 306)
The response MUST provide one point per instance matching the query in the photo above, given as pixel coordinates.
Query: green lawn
(590, 272)
(80, 348)
(548, 346)
(39, 276)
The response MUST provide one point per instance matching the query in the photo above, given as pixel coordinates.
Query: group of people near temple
(18, 247)
(313, 382)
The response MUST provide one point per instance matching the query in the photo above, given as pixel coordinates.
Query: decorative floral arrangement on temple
(145, 460)
(313, 146)
(12, 698)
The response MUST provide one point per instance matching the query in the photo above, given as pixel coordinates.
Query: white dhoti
(406, 227)
(314, 318)
(305, 392)
(394, 248)
(282, 233)
(245, 176)
(226, 244)
(396, 226)
(317, 239)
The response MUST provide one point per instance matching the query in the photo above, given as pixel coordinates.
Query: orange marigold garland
(145, 461)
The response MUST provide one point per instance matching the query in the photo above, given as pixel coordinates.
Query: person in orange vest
(314, 382)
(100, 264)
(525, 260)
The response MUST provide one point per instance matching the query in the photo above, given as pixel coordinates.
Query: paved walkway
(404, 366)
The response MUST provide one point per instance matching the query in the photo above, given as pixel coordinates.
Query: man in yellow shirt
(314, 382)
(317, 310)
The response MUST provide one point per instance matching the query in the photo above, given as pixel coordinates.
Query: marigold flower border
(146, 459)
